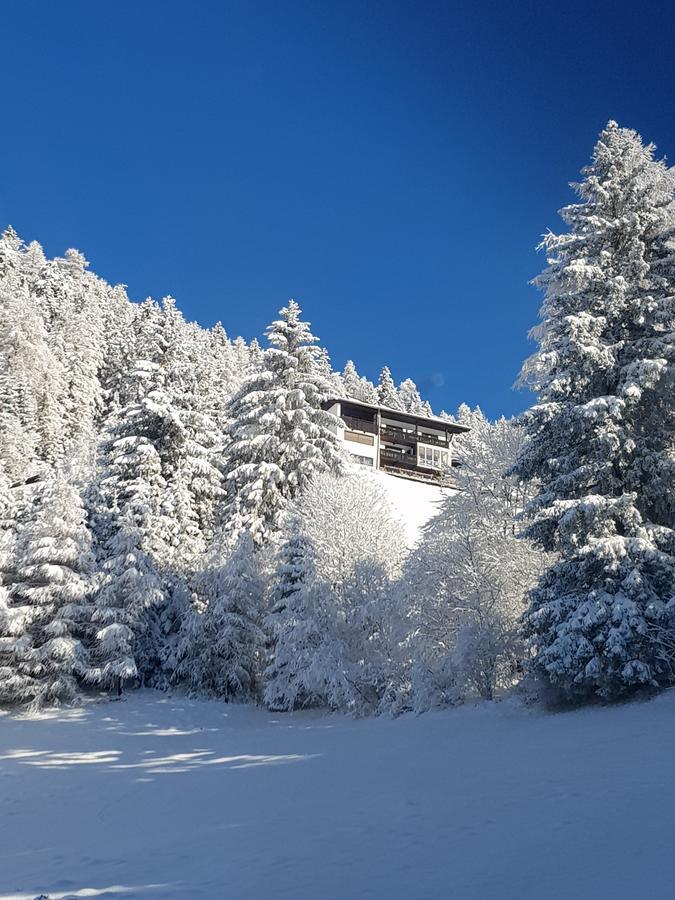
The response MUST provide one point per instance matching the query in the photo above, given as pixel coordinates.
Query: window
(432, 457)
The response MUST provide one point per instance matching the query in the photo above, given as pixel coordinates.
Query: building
(400, 443)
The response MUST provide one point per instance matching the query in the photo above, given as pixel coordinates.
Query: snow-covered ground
(413, 501)
(161, 797)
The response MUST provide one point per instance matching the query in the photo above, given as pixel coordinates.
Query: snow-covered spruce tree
(226, 641)
(45, 606)
(351, 381)
(125, 611)
(334, 632)
(29, 416)
(57, 323)
(356, 387)
(190, 452)
(465, 587)
(386, 390)
(409, 397)
(301, 606)
(279, 435)
(73, 305)
(8, 525)
(159, 472)
(600, 620)
(132, 528)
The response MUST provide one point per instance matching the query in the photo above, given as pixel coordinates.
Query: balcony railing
(432, 439)
(406, 464)
(355, 424)
(394, 457)
(400, 435)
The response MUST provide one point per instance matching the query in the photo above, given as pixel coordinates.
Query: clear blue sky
(390, 165)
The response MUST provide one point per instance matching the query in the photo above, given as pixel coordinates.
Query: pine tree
(351, 381)
(297, 624)
(410, 398)
(45, 606)
(599, 620)
(29, 421)
(386, 391)
(125, 607)
(133, 526)
(227, 639)
(279, 435)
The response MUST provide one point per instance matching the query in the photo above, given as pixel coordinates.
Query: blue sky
(391, 165)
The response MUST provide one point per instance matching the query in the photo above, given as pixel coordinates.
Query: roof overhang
(411, 418)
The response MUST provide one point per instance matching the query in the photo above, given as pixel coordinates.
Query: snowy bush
(465, 587)
(335, 640)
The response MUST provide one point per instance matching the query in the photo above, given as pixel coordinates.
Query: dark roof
(405, 416)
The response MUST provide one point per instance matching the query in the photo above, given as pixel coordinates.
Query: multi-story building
(400, 443)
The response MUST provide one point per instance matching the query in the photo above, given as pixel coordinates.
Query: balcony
(405, 464)
(433, 440)
(396, 457)
(399, 463)
(401, 436)
(398, 435)
(355, 424)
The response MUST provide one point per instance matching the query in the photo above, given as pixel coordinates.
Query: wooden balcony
(433, 440)
(398, 435)
(395, 457)
(401, 436)
(398, 463)
(355, 424)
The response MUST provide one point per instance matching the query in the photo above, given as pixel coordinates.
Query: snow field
(163, 797)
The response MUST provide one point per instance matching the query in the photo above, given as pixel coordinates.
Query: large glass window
(432, 457)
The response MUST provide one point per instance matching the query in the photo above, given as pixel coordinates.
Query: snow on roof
(400, 412)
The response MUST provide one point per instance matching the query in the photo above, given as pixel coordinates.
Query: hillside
(414, 502)
(161, 797)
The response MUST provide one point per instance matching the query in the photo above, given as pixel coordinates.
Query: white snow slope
(161, 797)
(414, 502)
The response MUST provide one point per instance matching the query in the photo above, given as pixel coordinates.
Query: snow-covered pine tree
(351, 381)
(45, 605)
(29, 420)
(599, 620)
(191, 447)
(279, 435)
(247, 359)
(218, 373)
(118, 329)
(131, 492)
(300, 604)
(357, 387)
(73, 304)
(324, 369)
(128, 632)
(410, 398)
(369, 392)
(8, 524)
(386, 390)
(227, 640)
